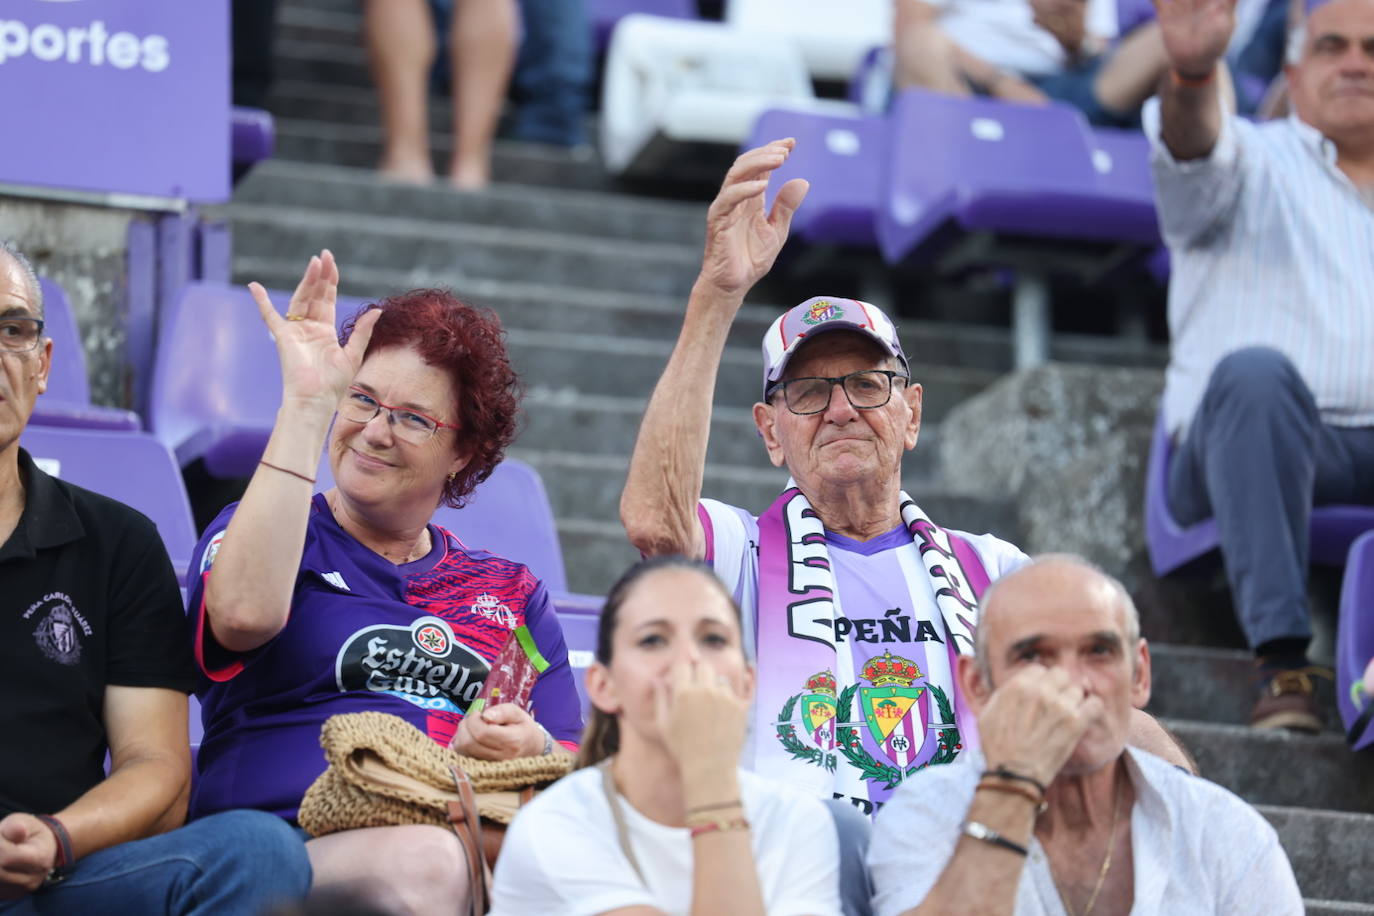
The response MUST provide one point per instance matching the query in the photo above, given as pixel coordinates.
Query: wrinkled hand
(1066, 20)
(703, 720)
(742, 241)
(1034, 720)
(499, 732)
(1195, 32)
(315, 369)
(28, 851)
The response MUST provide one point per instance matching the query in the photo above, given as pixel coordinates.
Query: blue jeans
(225, 864)
(553, 73)
(1257, 458)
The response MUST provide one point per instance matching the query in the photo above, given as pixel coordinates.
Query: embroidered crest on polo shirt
(424, 664)
(491, 608)
(60, 627)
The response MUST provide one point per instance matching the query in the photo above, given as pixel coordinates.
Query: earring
(451, 475)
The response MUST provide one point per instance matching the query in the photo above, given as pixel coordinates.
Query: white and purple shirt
(415, 640)
(885, 613)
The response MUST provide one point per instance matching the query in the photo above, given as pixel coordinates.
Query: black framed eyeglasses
(865, 389)
(20, 334)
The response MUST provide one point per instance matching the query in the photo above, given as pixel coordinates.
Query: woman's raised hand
(703, 720)
(315, 370)
(500, 732)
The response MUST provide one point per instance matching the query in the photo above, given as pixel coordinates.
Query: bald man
(1056, 813)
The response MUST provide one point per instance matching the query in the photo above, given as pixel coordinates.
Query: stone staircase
(591, 284)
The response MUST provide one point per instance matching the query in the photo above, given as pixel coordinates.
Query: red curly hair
(469, 344)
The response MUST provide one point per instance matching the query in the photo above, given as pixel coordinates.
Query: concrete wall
(84, 248)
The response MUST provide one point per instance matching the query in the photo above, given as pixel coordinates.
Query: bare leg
(401, 46)
(418, 870)
(925, 56)
(1137, 65)
(1133, 72)
(483, 49)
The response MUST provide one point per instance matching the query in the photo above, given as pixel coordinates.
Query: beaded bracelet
(721, 825)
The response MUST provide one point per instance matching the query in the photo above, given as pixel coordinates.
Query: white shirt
(1003, 32)
(1196, 848)
(562, 857)
(1272, 246)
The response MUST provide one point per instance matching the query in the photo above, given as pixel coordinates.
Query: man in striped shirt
(1270, 388)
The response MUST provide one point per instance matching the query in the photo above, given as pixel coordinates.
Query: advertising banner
(116, 96)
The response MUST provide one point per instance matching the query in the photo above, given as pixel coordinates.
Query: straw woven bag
(385, 772)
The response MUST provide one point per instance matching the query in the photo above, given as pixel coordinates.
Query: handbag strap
(622, 832)
(467, 824)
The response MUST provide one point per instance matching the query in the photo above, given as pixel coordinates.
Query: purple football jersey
(415, 640)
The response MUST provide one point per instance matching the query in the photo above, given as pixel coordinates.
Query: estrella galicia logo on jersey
(59, 631)
(423, 663)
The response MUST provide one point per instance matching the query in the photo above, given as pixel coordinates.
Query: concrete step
(582, 214)
(606, 426)
(556, 308)
(1278, 768)
(1331, 852)
(1214, 685)
(329, 62)
(589, 486)
(301, 100)
(1337, 908)
(360, 146)
(337, 26)
(459, 251)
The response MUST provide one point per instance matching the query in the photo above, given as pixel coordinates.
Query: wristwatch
(548, 741)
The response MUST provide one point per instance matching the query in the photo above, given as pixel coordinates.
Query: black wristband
(66, 859)
(1001, 772)
(987, 835)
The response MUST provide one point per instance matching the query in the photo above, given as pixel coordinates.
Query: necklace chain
(1106, 860)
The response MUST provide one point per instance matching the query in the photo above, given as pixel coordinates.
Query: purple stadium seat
(1172, 546)
(844, 159)
(579, 631)
(606, 13)
(131, 467)
(979, 182)
(67, 402)
(1355, 640)
(216, 381)
(966, 165)
(253, 137)
(1121, 159)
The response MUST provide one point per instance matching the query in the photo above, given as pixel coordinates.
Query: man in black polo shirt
(95, 655)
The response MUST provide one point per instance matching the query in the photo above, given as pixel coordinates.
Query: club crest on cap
(823, 310)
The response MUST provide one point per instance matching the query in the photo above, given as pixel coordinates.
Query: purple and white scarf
(853, 726)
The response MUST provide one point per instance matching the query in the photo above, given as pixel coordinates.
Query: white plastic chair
(832, 35)
(671, 82)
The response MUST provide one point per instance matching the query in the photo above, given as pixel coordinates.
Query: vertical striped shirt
(1272, 245)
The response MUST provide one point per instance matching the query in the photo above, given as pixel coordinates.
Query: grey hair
(1297, 40)
(9, 249)
(1123, 597)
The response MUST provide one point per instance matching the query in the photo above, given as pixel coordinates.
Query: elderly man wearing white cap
(855, 604)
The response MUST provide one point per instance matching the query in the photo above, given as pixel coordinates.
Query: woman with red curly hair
(312, 604)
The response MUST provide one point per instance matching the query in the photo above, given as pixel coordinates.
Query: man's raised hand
(742, 240)
(1034, 720)
(1195, 33)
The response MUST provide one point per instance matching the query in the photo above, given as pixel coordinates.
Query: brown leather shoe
(1287, 700)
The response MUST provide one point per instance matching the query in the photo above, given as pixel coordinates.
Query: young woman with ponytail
(660, 819)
